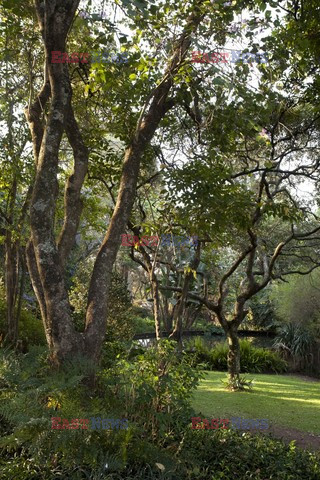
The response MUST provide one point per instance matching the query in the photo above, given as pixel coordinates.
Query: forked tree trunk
(46, 256)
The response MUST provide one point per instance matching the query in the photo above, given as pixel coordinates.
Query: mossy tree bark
(47, 256)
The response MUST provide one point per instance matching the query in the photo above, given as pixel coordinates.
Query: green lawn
(283, 400)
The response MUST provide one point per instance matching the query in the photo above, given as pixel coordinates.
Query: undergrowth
(153, 392)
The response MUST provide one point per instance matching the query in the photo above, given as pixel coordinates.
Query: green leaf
(218, 81)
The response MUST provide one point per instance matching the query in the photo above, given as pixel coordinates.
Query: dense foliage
(152, 391)
(253, 359)
(30, 326)
(159, 443)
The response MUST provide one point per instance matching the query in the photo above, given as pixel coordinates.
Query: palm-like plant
(295, 339)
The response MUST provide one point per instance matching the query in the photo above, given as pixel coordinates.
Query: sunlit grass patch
(283, 400)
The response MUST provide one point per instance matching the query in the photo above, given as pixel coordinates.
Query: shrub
(260, 360)
(218, 357)
(213, 330)
(153, 392)
(226, 454)
(32, 394)
(200, 454)
(297, 344)
(201, 350)
(294, 338)
(142, 324)
(30, 328)
(155, 388)
(252, 359)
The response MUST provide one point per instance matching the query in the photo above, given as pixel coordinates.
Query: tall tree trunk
(167, 317)
(180, 308)
(233, 355)
(11, 285)
(191, 315)
(47, 259)
(22, 283)
(156, 304)
(149, 267)
(233, 339)
(154, 111)
(166, 314)
(11, 267)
